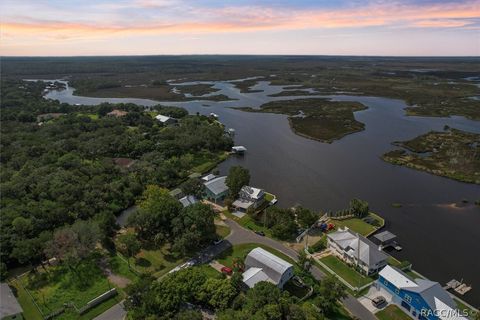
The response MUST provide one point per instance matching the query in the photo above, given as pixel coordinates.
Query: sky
(302, 27)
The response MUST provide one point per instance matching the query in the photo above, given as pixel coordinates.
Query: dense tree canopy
(60, 163)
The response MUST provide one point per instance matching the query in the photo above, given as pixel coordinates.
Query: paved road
(240, 235)
(117, 312)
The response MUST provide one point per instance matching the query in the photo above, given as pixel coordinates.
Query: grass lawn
(358, 225)
(60, 285)
(222, 231)
(241, 251)
(343, 270)
(29, 309)
(92, 116)
(249, 223)
(210, 272)
(157, 262)
(392, 312)
(269, 197)
(119, 266)
(461, 306)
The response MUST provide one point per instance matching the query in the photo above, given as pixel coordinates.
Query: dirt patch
(119, 281)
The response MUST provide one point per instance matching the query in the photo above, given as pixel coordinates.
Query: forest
(63, 163)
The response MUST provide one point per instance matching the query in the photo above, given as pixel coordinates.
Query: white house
(357, 250)
(249, 197)
(165, 120)
(262, 265)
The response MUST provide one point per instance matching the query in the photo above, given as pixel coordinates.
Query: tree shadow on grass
(142, 262)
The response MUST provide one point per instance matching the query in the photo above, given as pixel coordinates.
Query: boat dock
(458, 286)
(239, 149)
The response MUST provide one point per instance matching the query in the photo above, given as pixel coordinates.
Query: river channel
(441, 239)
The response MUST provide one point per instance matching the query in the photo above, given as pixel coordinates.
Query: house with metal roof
(9, 306)
(421, 299)
(262, 265)
(188, 201)
(215, 189)
(249, 197)
(357, 250)
(165, 120)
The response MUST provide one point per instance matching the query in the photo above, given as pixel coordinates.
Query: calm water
(441, 240)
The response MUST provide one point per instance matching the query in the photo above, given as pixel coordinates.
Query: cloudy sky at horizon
(342, 27)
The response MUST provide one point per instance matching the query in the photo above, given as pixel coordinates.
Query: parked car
(378, 301)
(227, 270)
(260, 233)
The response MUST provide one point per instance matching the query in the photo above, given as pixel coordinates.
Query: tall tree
(306, 217)
(359, 207)
(129, 246)
(237, 177)
(157, 209)
(73, 243)
(193, 227)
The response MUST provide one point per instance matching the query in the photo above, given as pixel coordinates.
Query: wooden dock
(458, 286)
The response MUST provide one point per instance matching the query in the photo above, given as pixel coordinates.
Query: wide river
(440, 239)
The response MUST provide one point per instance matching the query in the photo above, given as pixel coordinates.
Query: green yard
(222, 231)
(359, 225)
(392, 312)
(155, 261)
(59, 285)
(240, 251)
(347, 273)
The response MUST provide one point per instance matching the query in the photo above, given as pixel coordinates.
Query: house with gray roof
(215, 189)
(420, 298)
(262, 265)
(188, 201)
(249, 197)
(9, 306)
(357, 250)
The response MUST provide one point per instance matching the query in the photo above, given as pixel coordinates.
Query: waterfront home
(421, 299)
(165, 120)
(215, 189)
(249, 197)
(356, 250)
(261, 265)
(117, 113)
(188, 201)
(9, 306)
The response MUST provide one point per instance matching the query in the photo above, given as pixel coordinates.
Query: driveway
(117, 312)
(366, 300)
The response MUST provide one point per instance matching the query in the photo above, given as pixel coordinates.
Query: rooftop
(217, 186)
(349, 241)
(432, 292)
(273, 266)
(188, 201)
(385, 236)
(163, 118)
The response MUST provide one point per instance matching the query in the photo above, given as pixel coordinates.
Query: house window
(408, 298)
(397, 291)
(385, 282)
